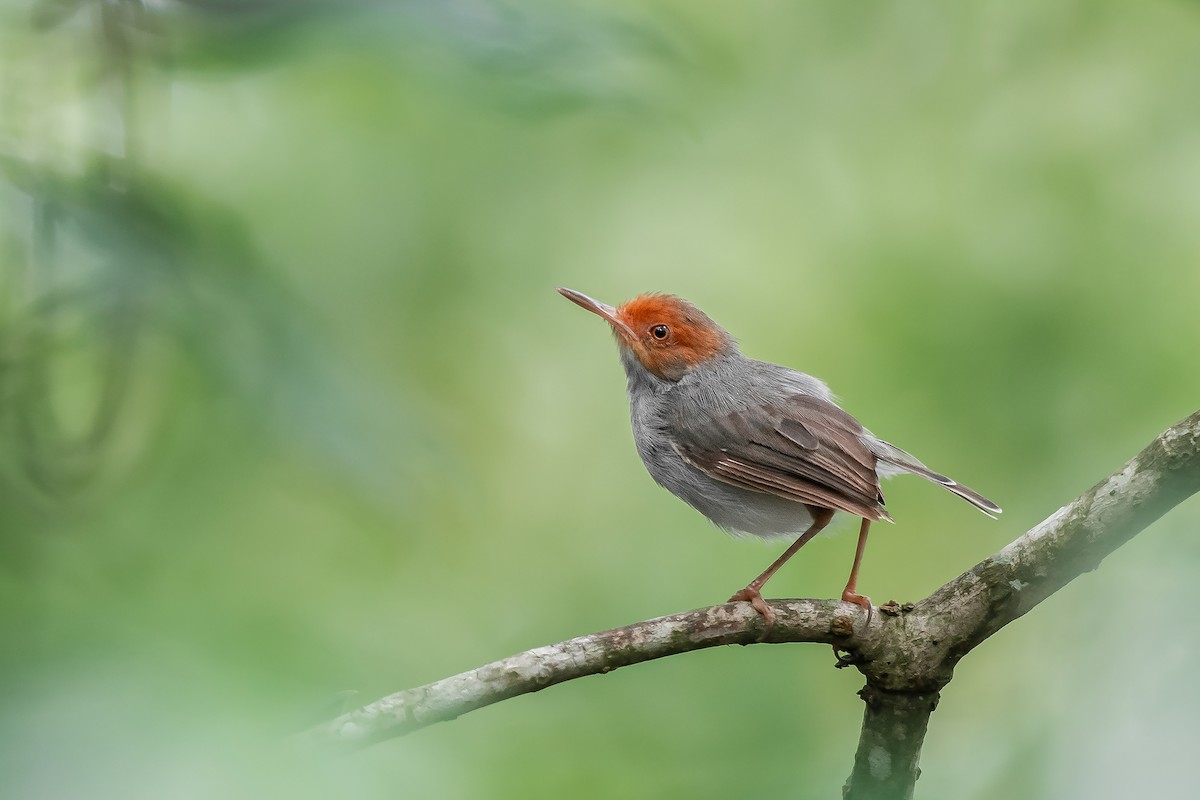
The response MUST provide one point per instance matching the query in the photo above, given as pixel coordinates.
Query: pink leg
(821, 518)
(849, 594)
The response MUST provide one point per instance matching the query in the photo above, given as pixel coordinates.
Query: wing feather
(804, 448)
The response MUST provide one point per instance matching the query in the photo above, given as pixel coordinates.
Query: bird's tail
(893, 460)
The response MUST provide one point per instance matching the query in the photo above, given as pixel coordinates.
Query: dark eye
(659, 331)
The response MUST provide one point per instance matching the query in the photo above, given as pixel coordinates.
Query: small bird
(756, 447)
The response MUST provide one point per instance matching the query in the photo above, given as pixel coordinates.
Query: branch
(907, 656)
(909, 663)
(594, 654)
(951, 622)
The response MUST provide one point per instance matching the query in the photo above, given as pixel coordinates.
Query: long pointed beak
(601, 309)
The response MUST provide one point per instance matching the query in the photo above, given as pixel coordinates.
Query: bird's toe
(862, 601)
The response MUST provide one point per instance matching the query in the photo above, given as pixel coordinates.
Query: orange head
(667, 334)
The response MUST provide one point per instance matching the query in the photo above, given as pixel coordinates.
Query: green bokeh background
(357, 442)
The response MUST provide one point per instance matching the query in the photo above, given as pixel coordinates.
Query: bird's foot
(755, 598)
(862, 601)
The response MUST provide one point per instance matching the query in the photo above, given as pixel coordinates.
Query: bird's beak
(602, 309)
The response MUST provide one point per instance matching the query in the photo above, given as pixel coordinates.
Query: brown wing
(803, 448)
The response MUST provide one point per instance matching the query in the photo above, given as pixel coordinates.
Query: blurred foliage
(288, 406)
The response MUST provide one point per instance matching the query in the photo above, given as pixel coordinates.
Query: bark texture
(594, 654)
(907, 654)
(887, 763)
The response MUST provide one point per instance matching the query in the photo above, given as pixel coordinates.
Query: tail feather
(965, 492)
(893, 460)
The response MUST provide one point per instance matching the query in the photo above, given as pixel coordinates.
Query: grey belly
(734, 509)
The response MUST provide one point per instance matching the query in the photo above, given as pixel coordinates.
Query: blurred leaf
(543, 59)
(185, 265)
(49, 14)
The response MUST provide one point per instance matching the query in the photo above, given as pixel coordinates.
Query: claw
(755, 598)
(862, 601)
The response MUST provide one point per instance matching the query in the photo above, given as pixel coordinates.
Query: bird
(757, 448)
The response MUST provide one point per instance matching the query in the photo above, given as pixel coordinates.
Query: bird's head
(666, 334)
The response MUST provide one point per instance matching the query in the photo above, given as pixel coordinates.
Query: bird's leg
(849, 594)
(821, 518)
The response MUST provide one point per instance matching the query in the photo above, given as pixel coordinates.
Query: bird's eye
(659, 332)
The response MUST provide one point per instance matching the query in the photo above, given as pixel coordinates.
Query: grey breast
(727, 384)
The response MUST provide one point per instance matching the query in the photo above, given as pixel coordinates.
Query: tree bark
(889, 747)
(908, 654)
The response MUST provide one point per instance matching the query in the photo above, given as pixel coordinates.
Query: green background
(355, 441)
